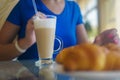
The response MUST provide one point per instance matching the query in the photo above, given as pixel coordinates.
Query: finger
(98, 40)
(116, 39)
(112, 31)
(30, 25)
(30, 21)
(41, 15)
(112, 35)
(109, 31)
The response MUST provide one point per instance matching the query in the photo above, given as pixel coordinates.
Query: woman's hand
(108, 36)
(30, 33)
(30, 38)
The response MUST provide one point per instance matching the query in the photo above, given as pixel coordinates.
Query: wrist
(21, 50)
(23, 44)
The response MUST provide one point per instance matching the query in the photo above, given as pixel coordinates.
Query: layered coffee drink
(45, 41)
(45, 35)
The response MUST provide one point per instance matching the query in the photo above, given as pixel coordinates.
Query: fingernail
(110, 36)
(115, 41)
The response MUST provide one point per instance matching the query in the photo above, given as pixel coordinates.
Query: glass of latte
(45, 35)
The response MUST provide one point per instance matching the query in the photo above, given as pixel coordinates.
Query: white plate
(82, 75)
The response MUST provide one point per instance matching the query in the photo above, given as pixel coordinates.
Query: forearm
(9, 51)
(81, 34)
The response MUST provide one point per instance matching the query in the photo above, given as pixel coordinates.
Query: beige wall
(117, 9)
(83, 3)
(109, 14)
(107, 18)
(5, 8)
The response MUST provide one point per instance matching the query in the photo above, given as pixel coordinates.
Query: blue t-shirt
(65, 27)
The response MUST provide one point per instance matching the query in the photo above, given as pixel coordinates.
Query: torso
(67, 19)
(56, 6)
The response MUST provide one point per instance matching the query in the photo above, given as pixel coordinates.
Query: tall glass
(45, 35)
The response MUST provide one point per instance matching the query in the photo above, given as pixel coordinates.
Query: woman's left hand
(107, 36)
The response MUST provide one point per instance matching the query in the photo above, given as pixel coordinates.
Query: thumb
(98, 40)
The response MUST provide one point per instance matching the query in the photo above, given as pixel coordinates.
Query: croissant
(113, 47)
(88, 56)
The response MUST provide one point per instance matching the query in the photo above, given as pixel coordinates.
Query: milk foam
(46, 22)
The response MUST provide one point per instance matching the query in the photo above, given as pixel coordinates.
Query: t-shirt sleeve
(14, 16)
(79, 15)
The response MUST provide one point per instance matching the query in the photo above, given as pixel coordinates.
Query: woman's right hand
(30, 38)
(108, 36)
(30, 33)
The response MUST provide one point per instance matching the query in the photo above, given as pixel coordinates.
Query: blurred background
(100, 15)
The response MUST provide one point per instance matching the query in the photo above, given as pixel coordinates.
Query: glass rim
(51, 16)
